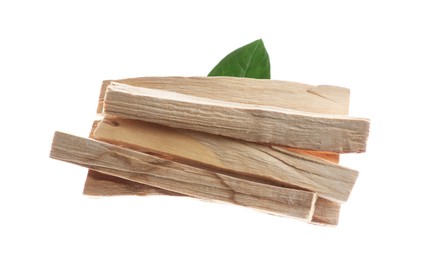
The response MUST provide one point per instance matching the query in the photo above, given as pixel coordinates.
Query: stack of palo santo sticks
(266, 144)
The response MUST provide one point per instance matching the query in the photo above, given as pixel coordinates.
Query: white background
(54, 55)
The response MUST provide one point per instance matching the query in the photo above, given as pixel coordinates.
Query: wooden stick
(98, 184)
(282, 167)
(241, 121)
(285, 94)
(176, 177)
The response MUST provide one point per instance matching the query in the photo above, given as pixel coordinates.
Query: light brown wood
(285, 94)
(286, 168)
(176, 177)
(318, 99)
(261, 124)
(98, 184)
(326, 212)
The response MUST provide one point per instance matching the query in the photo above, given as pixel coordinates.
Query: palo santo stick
(285, 94)
(260, 124)
(98, 184)
(176, 177)
(285, 168)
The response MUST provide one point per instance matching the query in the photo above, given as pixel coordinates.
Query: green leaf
(249, 61)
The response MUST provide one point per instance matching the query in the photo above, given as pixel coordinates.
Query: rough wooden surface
(298, 96)
(98, 184)
(260, 124)
(326, 212)
(320, 99)
(285, 94)
(283, 167)
(180, 178)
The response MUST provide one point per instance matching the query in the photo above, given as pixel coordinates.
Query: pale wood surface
(276, 93)
(261, 124)
(285, 94)
(326, 212)
(176, 177)
(98, 184)
(319, 99)
(286, 168)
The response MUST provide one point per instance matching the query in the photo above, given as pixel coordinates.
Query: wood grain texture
(180, 178)
(293, 95)
(285, 94)
(283, 167)
(320, 99)
(98, 184)
(326, 212)
(260, 124)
